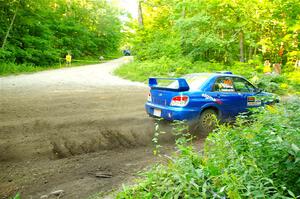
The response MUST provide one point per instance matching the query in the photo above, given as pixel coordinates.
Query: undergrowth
(286, 83)
(9, 68)
(257, 158)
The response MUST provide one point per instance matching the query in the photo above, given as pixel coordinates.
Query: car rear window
(195, 81)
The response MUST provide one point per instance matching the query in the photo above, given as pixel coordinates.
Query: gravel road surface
(59, 128)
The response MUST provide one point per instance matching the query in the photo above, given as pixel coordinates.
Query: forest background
(170, 37)
(173, 38)
(38, 34)
(256, 159)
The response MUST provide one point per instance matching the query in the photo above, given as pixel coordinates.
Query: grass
(286, 83)
(15, 69)
(141, 70)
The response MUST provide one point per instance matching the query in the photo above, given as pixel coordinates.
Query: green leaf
(295, 148)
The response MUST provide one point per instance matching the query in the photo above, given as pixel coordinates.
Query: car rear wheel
(207, 121)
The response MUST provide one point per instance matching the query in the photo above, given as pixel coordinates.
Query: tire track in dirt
(55, 126)
(71, 111)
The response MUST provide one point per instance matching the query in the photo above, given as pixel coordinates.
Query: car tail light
(149, 97)
(180, 101)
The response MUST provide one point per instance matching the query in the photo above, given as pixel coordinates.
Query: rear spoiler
(182, 84)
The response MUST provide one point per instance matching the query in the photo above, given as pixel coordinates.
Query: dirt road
(59, 128)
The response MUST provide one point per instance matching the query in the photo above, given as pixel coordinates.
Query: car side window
(243, 86)
(223, 84)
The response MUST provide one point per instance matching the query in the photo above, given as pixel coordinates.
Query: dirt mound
(52, 139)
(99, 138)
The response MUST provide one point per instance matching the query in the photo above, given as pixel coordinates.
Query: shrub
(17, 196)
(258, 158)
(12, 68)
(167, 67)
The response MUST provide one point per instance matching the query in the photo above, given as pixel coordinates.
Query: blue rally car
(200, 97)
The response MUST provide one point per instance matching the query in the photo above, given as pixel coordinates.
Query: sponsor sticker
(208, 97)
(253, 101)
(226, 86)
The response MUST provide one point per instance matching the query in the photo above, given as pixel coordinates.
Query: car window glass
(224, 84)
(242, 85)
(195, 81)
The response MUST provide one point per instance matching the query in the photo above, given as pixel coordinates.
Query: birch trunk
(140, 14)
(9, 28)
(242, 59)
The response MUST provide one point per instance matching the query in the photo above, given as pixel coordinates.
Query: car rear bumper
(171, 113)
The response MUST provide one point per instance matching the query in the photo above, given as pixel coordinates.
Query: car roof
(210, 77)
(216, 74)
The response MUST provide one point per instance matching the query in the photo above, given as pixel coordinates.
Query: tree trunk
(140, 14)
(182, 37)
(245, 54)
(242, 59)
(250, 52)
(9, 28)
(183, 10)
(255, 50)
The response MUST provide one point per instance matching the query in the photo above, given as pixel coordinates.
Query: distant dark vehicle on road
(126, 52)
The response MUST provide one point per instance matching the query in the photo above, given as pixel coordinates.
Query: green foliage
(167, 67)
(13, 68)
(258, 158)
(262, 158)
(219, 30)
(44, 31)
(140, 71)
(17, 196)
(159, 44)
(181, 37)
